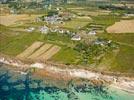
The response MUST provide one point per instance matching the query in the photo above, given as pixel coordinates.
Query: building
(30, 29)
(76, 38)
(92, 33)
(44, 29)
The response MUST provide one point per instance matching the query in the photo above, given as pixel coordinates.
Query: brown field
(48, 54)
(124, 26)
(11, 19)
(40, 51)
(30, 50)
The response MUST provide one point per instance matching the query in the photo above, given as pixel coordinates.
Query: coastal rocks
(49, 72)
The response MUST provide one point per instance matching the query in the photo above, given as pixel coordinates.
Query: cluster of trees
(94, 53)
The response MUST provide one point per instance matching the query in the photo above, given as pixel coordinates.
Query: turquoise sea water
(15, 86)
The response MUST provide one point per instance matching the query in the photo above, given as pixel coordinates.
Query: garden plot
(40, 51)
(124, 26)
(30, 50)
(48, 54)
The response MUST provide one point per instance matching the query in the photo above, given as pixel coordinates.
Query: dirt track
(124, 26)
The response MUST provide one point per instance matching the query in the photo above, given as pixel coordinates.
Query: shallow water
(15, 86)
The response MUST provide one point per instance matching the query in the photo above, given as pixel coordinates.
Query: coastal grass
(123, 61)
(66, 55)
(17, 44)
(127, 38)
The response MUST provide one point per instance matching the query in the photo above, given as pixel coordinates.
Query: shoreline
(122, 83)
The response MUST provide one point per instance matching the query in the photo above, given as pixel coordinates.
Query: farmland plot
(40, 51)
(48, 54)
(12, 19)
(124, 26)
(30, 50)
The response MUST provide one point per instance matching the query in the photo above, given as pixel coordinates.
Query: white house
(61, 31)
(53, 30)
(92, 33)
(44, 29)
(30, 29)
(76, 38)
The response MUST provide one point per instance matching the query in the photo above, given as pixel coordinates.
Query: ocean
(16, 86)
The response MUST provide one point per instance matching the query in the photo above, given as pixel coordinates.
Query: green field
(67, 56)
(76, 23)
(13, 42)
(123, 60)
